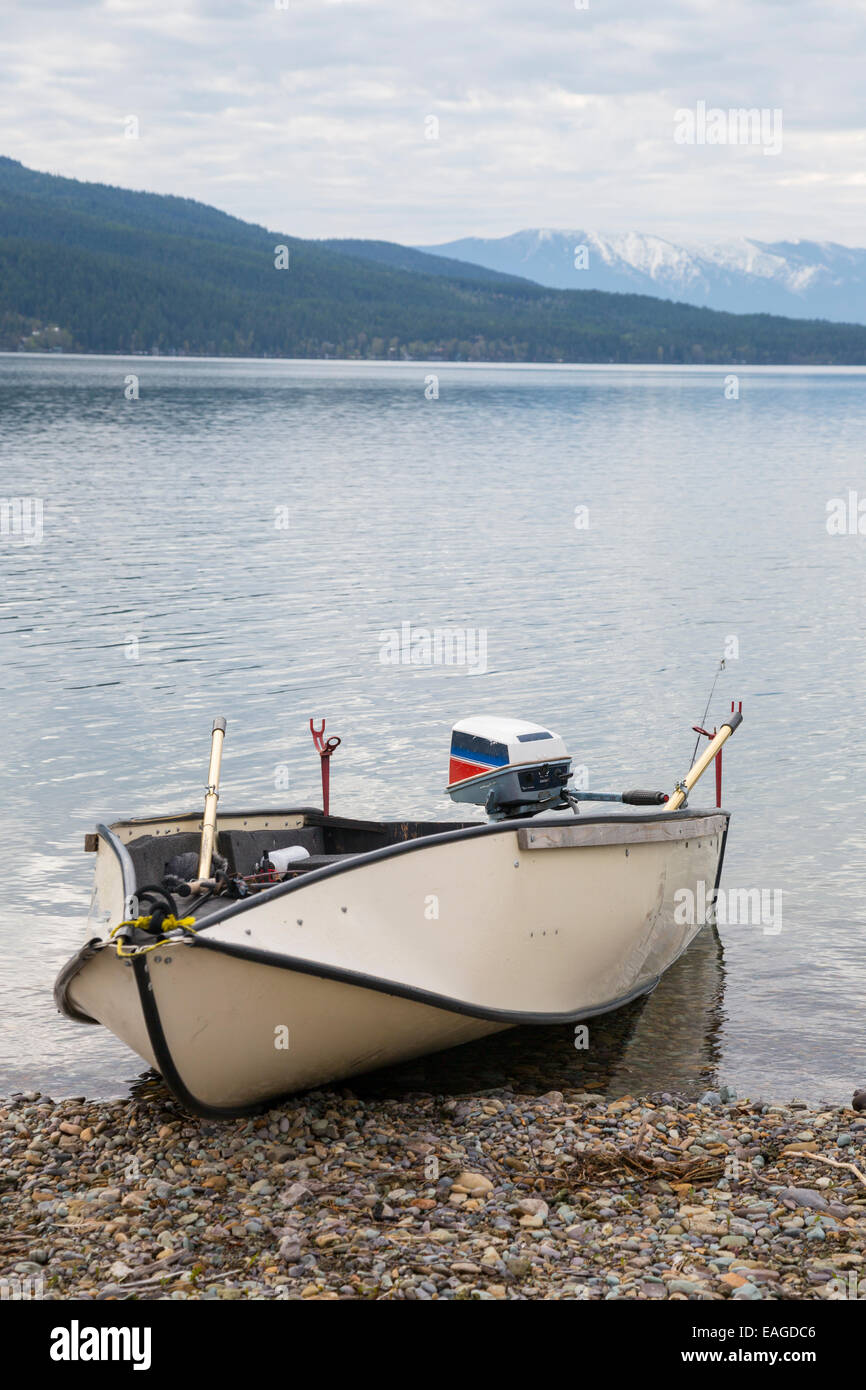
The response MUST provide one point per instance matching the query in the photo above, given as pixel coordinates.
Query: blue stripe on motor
(469, 755)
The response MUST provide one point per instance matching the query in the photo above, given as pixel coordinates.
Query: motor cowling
(508, 766)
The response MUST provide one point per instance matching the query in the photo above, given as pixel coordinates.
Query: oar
(212, 796)
(697, 769)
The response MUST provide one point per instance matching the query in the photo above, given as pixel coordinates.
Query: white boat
(323, 947)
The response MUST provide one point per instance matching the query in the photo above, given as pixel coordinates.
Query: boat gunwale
(355, 861)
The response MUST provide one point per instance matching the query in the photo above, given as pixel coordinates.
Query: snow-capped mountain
(803, 279)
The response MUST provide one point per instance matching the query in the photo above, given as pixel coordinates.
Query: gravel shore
(494, 1196)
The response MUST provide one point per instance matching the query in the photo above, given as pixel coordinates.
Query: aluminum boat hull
(394, 952)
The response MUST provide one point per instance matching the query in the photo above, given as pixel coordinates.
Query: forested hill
(92, 268)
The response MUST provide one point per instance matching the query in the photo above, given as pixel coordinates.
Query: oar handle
(212, 796)
(699, 768)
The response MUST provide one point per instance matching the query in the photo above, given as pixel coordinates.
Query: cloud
(312, 118)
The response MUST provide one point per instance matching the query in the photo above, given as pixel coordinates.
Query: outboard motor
(509, 767)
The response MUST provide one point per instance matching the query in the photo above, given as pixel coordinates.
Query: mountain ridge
(95, 268)
(796, 278)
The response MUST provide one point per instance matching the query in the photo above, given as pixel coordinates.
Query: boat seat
(244, 848)
(150, 853)
(318, 861)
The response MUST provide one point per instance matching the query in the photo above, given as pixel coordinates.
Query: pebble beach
(495, 1195)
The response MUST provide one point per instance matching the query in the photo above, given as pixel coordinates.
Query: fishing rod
(698, 730)
(713, 752)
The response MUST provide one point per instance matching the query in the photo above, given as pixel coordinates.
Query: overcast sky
(311, 116)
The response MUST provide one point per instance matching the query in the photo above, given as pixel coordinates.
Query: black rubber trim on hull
(173, 1079)
(375, 983)
(164, 1060)
(722, 848)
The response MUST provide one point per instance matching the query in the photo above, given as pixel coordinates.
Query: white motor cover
(489, 743)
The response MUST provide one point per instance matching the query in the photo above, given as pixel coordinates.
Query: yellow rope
(170, 922)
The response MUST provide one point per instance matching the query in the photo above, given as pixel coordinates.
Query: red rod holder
(325, 750)
(718, 758)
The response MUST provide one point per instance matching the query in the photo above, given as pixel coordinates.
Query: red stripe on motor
(458, 770)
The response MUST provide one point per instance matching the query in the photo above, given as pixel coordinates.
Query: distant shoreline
(659, 368)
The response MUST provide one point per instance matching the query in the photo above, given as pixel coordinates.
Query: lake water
(236, 541)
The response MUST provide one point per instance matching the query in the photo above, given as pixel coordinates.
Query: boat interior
(327, 840)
